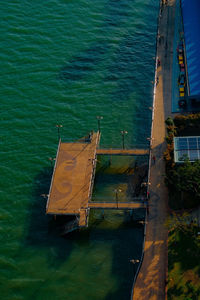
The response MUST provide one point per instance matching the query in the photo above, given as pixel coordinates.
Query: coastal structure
(73, 178)
(151, 277)
(152, 274)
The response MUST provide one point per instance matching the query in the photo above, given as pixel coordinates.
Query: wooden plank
(71, 183)
(126, 152)
(83, 218)
(115, 205)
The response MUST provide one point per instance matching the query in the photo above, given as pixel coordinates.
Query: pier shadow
(125, 240)
(126, 245)
(42, 230)
(128, 177)
(135, 188)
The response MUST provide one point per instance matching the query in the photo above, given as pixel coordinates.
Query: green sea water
(65, 62)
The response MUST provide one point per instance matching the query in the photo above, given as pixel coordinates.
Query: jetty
(73, 178)
(151, 277)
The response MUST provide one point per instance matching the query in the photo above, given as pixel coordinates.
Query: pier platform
(73, 179)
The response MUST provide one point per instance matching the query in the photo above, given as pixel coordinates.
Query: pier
(123, 152)
(73, 178)
(151, 278)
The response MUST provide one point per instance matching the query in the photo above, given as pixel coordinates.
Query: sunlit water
(65, 62)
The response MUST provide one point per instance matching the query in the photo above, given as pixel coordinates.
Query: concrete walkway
(151, 281)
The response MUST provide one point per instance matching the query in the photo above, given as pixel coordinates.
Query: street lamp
(59, 126)
(150, 139)
(99, 118)
(142, 222)
(44, 195)
(145, 184)
(116, 195)
(123, 132)
(134, 262)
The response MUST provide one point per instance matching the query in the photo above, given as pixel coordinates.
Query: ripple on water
(66, 62)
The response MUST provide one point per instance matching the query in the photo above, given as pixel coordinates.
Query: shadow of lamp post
(99, 118)
(51, 160)
(134, 262)
(59, 126)
(117, 191)
(123, 132)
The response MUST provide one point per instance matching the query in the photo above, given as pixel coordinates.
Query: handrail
(150, 146)
(52, 178)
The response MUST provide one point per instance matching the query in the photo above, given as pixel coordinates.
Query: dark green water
(65, 62)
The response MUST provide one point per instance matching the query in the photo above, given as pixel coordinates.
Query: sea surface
(64, 62)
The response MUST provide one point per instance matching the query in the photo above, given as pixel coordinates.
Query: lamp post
(145, 184)
(116, 195)
(123, 132)
(44, 195)
(99, 118)
(59, 126)
(134, 262)
(150, 139)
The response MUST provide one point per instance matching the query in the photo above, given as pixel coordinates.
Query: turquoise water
(65, 62)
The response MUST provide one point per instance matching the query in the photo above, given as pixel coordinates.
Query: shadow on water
(122, 69)
(116, 11)
(81, 65)
(126, 239)
(126, 245)
(126, 175)
(42, 231)
(123, 65)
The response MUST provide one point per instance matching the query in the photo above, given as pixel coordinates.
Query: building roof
(187, 147)
(191, 23)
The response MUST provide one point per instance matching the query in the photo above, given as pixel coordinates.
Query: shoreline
(150, 279)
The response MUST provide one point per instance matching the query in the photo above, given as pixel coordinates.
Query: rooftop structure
(191, 24)
(187, 147)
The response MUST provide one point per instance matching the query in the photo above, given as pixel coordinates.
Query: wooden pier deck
(72, 179)
(125, 152)
(152, 277)
(116, 205)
